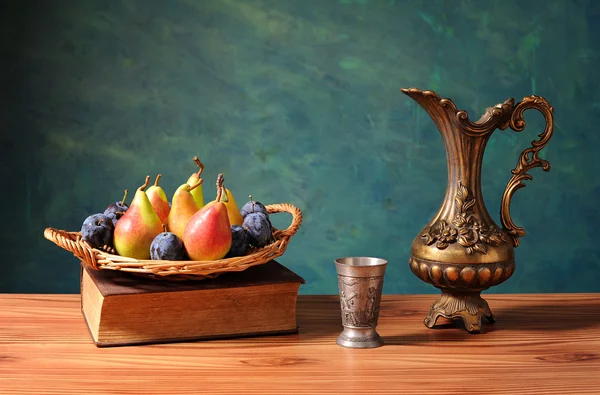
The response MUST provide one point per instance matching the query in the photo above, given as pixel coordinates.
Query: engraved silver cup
(360, 282)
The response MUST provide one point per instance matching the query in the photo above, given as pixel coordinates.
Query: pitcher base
(468, 306)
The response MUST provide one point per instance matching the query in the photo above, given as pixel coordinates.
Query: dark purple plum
(116, 210)
(259, 229)
(239, 241)
(253, 207)
(167, 246)
(117, 207)
(97, 230)
(115, 216)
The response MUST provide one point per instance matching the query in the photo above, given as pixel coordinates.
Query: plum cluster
(256, 230)
(97, 229)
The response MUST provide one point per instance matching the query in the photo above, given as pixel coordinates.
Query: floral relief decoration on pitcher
(466, 228)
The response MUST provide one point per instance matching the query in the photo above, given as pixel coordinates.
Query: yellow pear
(183, 208)
(233, 212)
(197, 192)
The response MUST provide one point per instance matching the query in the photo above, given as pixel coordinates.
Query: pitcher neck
(465, 143)
(464, 158)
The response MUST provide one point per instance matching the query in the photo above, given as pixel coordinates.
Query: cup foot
(359, 338)
(468, 306)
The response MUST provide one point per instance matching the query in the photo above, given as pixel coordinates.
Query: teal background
(300, 102)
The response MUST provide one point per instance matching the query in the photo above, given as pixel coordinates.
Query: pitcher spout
(446, 114)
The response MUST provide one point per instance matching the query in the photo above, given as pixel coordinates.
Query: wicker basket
(178, 270)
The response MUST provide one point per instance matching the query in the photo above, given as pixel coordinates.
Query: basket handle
(71, 242)
(287, 208)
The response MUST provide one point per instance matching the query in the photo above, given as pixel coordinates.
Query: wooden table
(541, 344)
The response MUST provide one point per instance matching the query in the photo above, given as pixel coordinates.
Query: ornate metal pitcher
(461, 250)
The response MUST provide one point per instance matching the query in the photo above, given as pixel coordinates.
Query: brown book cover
(124, 309)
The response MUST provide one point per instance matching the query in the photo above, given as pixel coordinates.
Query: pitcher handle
(527, 160)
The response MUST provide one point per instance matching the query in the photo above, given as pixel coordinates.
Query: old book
(123, 309)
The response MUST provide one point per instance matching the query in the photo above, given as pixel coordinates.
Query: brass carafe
(462, 251)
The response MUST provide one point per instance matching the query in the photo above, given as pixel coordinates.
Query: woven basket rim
(105, 259)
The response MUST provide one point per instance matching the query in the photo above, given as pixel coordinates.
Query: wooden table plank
(541, 344)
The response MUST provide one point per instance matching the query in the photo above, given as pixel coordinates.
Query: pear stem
(200, 181)
(123, 201)
(143, 187)
(157, 179)
(220, 180)
(200, 165)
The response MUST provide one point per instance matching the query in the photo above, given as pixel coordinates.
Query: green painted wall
(300, 102)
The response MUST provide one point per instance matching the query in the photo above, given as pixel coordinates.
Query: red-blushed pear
(183, 208)
(207, 236)
(197, 192)
(158, 199)
(136, 229)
